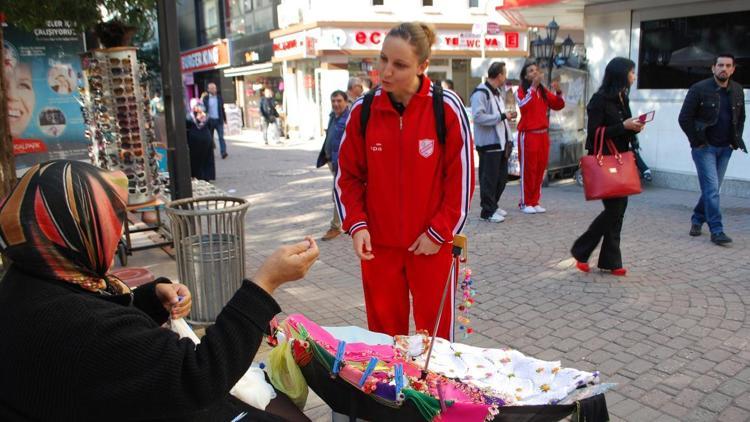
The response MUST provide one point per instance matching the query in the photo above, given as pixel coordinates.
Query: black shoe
(720, 238)
(224, 155)
(695, 229)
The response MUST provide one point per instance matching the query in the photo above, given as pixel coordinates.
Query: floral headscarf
(63, 221)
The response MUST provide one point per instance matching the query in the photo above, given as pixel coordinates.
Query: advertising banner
(41, 71)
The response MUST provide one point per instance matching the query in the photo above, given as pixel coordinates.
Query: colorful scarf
(63, 221)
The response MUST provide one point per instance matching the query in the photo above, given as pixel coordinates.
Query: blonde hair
(419, 35)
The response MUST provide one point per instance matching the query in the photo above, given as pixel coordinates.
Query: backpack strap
(477, 89)
(439, 110)
(364, 115)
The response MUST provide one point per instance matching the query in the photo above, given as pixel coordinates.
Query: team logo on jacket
(426, 147)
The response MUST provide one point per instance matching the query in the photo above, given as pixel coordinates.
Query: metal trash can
(209, 241)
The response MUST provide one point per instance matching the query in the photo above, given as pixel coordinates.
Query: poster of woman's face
(21, 97)
(61, 78)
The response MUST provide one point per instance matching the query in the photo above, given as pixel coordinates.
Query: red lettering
(472, 43)
(451, 41)
(490, 42)
(511, 40)
(375, 38)
(361, 37)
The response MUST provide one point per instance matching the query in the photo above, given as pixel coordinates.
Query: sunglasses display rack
(115, 106)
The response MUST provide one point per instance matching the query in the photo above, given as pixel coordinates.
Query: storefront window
(675, 53)
(236, 21)
(211, 20)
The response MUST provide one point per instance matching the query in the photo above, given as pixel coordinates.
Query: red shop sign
(211, 56)
(511, 40)
(374, 37)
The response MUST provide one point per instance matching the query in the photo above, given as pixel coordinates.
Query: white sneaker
(528, 210)
(502, 212)
(495, 218)
(539, 209)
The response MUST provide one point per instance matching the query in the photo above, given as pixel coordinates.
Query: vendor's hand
(633, 124)
(555, 86)
(175, 298)
(424, 246)
(287, 263)
(363, 245)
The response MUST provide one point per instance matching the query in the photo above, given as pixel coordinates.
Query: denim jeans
(711, 164)
(218, 126)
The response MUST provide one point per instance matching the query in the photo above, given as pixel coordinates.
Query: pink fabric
(357, 352)
(462, 412)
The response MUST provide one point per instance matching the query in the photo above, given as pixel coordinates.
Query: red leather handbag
(609, 176)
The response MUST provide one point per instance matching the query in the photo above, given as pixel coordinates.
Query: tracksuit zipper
(401, 174)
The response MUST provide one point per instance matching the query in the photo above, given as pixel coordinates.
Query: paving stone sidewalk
(674, 333)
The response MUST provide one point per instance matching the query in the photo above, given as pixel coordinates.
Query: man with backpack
(492, 139)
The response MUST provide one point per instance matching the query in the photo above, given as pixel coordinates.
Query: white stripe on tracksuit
(336, 187)
(522, 155)
(450, 98)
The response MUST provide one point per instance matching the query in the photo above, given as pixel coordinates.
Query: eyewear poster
(41, 71)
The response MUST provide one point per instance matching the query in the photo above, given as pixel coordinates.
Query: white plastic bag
(181, 327)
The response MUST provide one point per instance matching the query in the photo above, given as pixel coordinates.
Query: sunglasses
(124, 100)
(126, 108)
(141, 190)
(117, 71)
(115, 61)
(121, 90)
(123, 80)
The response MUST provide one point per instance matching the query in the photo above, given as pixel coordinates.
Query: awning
(253, 69)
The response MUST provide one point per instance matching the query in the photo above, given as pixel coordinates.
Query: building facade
(673, 45)
(320, 44)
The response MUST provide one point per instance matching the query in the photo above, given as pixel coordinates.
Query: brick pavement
(674, 333)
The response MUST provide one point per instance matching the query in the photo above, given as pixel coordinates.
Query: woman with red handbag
(609, 108)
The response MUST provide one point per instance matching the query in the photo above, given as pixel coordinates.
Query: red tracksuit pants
(533, 154)
(392, 275)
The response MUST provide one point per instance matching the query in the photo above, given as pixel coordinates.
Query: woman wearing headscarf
(200, 143)
(79, 345)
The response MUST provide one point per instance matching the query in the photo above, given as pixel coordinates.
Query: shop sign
(251, 56)
(493, 28)
(464, 41)
(293, 45)
(211, 56)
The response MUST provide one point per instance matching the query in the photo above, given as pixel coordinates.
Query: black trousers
(605, 227)
(493, 175)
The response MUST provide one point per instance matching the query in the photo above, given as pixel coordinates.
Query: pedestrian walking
(448, 84)
(404, 185)
(609, 108)
(200, 143)
(214, 106)
(270, 117)
(534, 101)
(713, 118)
(492, 138)
(329, 153)
(354, 89)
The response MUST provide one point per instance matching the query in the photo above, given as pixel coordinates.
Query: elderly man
(329, 154)
(354, 89)
(214, 105)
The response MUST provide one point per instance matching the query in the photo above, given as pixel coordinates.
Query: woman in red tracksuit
(534, 101)
(402, 195)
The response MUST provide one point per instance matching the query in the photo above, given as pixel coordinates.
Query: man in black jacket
(214, 106)
(712, 117)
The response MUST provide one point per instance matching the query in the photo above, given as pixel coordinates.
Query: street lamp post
(543, 50)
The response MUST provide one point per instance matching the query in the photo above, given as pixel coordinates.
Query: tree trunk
(7, 160)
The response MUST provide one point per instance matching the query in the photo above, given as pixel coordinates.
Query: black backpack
(437, 108)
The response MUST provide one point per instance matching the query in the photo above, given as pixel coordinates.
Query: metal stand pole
(178, 159)
(459, 243)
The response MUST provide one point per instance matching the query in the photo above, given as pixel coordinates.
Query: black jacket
(222, 115)
(700, 110)
(268, 109)
(609, 111)
(70, 355)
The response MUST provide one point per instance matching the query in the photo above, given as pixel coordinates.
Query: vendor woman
(76, 344)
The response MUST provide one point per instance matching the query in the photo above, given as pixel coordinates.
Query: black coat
(700, 111)
(71, 355)
(609, 111)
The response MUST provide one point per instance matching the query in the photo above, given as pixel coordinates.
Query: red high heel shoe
(583, 266)
(619, 271)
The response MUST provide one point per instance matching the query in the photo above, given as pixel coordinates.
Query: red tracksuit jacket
(534, 108)
(400, 181)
